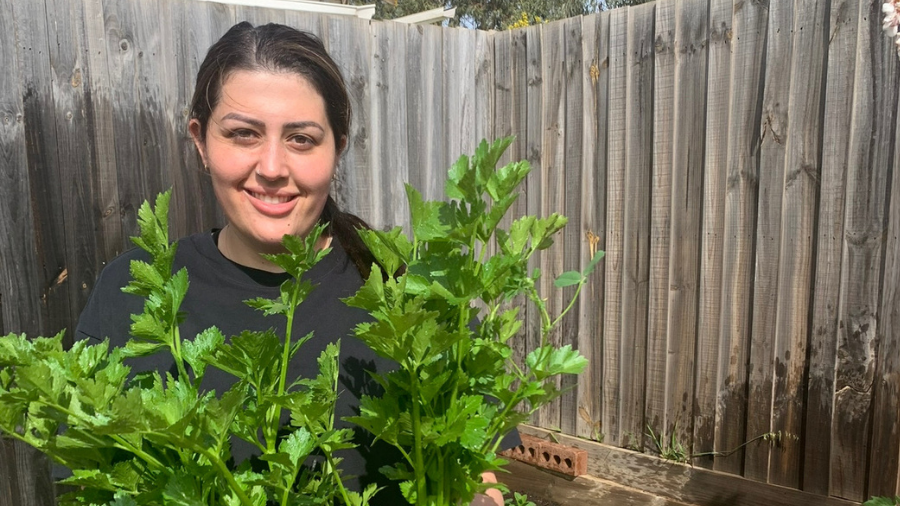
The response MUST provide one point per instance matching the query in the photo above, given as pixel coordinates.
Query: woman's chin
(270, 244)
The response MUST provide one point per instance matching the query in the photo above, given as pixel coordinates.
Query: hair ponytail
(345, 228)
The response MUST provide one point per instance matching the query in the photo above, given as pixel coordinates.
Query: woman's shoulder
(187, 248)
(102, 315)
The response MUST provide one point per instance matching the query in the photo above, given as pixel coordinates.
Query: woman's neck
(239, 250)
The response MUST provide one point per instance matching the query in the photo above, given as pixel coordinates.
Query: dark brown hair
(279, 48)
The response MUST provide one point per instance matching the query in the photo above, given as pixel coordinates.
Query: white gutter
(427, 17)
(359, 11)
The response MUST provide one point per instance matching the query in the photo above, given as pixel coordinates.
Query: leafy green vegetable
(148, 439)
(457, 391)
(151, 440)
(882, 501)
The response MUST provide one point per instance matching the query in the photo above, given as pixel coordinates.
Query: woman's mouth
(275, 206)
(270, 199)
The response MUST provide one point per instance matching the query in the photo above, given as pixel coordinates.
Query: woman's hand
(492, 497)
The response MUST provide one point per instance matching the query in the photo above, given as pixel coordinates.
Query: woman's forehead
(283, 95)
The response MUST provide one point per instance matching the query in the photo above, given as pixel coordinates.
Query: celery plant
(149, 440)
(456, 390)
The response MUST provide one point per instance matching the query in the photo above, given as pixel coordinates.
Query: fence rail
(735, 160)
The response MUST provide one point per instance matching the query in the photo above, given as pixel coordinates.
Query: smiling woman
(270, 118)
(271, 155)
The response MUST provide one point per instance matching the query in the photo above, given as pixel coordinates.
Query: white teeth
(270, 199)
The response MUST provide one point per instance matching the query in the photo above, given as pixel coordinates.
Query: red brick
(549, 455)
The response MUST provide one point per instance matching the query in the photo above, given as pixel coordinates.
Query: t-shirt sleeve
(108, 310)
(510, 440)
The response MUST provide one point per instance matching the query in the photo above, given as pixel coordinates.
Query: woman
(270, 118)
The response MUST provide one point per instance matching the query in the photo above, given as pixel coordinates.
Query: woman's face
(271, 156)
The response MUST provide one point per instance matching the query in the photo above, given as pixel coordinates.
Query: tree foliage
(498, 14)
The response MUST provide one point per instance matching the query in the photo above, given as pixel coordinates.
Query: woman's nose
(272, 162)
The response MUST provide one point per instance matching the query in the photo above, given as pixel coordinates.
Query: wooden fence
(734, 158)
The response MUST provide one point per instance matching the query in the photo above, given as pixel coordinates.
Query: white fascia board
(359, 11)
(429, 16)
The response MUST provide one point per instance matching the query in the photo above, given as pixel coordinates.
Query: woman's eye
(302, 141)
(242, 135)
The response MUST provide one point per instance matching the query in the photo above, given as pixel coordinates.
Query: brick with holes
(549, 455)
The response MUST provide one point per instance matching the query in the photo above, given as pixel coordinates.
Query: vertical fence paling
(595, 61)
(552, 170)
(868, 174)
(885, 429)
(800, 194)
(636, 217)
(350, 42)
(615, 191)
(21, 273)
(691, 36)
(715, 173)
(773, 132)
(43, 162)
(655, 418)
(734, 160)
(829, 249)
(533, 148)
(74, 134)
(741, 189)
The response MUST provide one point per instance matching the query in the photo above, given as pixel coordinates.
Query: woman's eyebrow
(259, 124)
(246, 119)
(302, 124)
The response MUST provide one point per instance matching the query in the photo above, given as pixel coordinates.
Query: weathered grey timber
(715, 174)
(734, 158)
(660, 224)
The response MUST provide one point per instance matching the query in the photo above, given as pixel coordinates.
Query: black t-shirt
(216, 295)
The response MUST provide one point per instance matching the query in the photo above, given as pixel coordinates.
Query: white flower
(891, 24)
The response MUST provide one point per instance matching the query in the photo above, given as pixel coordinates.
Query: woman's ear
(199, 142)
(342, 145)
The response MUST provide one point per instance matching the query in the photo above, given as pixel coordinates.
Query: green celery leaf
(182, 490)
(379, 416)
(145, 326)
(434, 385)
(138, 348)
(475, 434)
(357, 499)
(507, 179)
(548, 361)
(201, 349)
(543, 229)
(298, 445)
(122, 499)
(519, 233)
(145, 278)
(176, 288)
(161, 212)
(565, 360)
(568, 278)
(252, 356)
(371, 296)
(593, 263)
(268, 306)
(391, 249)
(425, 216)
(460, 180)
(396, 472)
